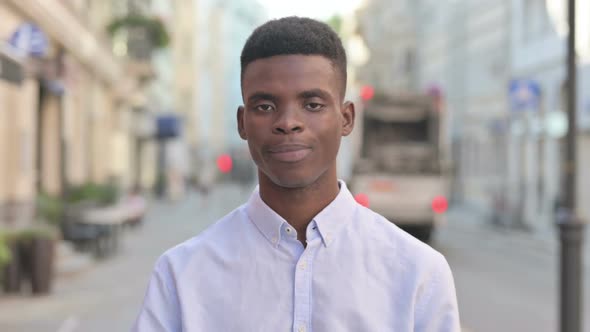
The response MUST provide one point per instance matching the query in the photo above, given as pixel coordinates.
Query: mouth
(289, 153)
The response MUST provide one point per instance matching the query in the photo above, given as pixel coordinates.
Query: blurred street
(506, 280)
(510, 274)
(107, 295)
(467, 111)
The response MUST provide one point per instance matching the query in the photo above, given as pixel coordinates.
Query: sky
(319, 9)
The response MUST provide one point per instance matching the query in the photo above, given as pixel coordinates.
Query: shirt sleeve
(436, 308)
(160, 310)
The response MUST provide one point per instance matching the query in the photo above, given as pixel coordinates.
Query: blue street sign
(524, 95)
(29, 40)
(167, 126)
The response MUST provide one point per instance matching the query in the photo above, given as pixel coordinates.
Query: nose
(287, 122)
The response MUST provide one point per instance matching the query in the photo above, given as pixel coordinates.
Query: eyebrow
(314, 93)
(256, 96)
(261, 96)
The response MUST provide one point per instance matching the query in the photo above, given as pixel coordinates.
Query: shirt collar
(336, 215)
(329, 221)
(267, 221)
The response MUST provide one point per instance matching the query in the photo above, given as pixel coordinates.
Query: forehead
(290, 73)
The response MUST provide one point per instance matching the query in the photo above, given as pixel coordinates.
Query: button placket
(303, 275)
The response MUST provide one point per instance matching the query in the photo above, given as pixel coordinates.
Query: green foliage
(104, 194)
(20, 237)
(157, 31)
(335, 22)
(50, 208)
(38, 231)
(5, 254)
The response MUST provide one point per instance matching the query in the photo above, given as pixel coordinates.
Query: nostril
(283, 130)
(280, 130)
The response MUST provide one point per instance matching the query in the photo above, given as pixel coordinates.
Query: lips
(289, 153)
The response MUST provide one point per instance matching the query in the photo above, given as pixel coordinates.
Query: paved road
(506, 281)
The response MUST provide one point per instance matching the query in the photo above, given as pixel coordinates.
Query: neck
(298, 206)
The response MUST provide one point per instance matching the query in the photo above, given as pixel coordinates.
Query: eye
(314, 107)
(265, 108)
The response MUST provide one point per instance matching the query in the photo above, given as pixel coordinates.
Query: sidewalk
(70, 262)
(540, 241)
(104, 295)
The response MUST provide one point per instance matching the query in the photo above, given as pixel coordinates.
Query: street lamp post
(571, 228)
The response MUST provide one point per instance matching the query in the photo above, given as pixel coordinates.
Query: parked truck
(402, 166)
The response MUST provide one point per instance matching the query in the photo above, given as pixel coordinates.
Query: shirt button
(288, 230)
(275, 240)
(301, 329)
(302, 265)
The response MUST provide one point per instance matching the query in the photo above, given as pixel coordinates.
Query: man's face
(293, 117)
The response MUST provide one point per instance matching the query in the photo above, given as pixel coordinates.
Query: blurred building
(464, 52)
(209, 36)
(145, 39)
(538, 53)
(66, 102)
(500, 66)
(347, 27)
(389, 32)
(185, 54)
(57, 119)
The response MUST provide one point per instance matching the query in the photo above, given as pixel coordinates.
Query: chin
(292, 181)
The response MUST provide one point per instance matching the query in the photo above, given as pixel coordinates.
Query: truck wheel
(424, 233)
(421, 232)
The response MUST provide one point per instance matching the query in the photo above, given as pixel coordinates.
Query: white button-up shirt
(248, 272)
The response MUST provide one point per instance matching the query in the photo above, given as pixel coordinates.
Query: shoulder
(216, 237)
(423, 270)
(408, 252)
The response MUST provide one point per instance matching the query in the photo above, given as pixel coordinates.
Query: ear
(240, 116)
(348, 115)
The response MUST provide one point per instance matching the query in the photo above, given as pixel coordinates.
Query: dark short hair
(295, 35)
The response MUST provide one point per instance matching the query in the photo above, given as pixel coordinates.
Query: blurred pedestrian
(136, 204)
(207, 178)
(301, 254)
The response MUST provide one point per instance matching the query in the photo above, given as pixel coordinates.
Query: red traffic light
(224, 163)
(367, 92)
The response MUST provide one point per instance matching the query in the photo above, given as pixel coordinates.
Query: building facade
(61, 123)
(464, 52)
(393, 47)
(488, 58)
(539, 32)
(210, 35)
